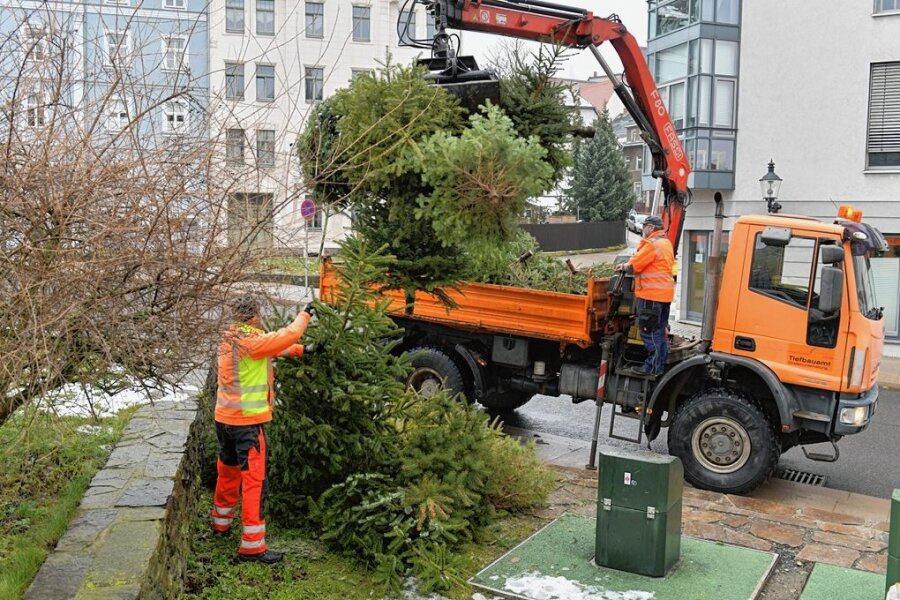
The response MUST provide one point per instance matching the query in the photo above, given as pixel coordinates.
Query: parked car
(635, 221)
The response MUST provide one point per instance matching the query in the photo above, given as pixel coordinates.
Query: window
(639, 161)
(34, 42)
(407, 26)
(265, 17)
(234, 81)
(669, 15)
(724, 106)
(117, 117)
(636, 186)
(362, 20)
(430, 28)
(234, 16)
(887, 5)
(173, 51)
(676, 104)
(234, 146)
(783, 273)
(315, 20)
(118, 49)
(822, 327)
(721, 155)
(883, 139)
(317, 220)
(178, 4)
(265, 147)
(634, 135)
(35, 109)
(175, 117)
(354, 73)
(726, 58)
(315, 83)
(727, 11)
(265, 82)
(672, 63)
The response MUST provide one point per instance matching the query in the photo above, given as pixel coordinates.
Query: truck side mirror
(832, 290)
(832, 255)
(776, 236)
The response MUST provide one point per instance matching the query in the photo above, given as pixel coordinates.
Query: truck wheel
(433, 370)
(725, 442)
(504, 401)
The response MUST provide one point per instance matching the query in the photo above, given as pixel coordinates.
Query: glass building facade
(693, 52)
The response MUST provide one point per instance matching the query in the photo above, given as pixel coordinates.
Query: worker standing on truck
(244, 402)
(654, 288)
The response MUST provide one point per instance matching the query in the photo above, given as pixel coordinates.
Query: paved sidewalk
(803, 524)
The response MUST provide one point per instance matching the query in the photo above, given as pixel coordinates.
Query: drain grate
(803, 477)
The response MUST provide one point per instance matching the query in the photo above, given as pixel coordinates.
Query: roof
(598, 93)
(794, 222)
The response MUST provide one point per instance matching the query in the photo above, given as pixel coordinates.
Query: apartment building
(815, 91)
(271, 61)
(102, 63)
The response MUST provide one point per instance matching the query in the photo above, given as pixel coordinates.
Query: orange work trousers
(242, 473)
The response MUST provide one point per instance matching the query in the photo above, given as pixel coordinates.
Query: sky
(633, 14)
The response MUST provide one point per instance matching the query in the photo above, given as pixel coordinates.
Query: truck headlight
(854, 416)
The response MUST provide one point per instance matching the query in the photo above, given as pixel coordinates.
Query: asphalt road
(869, 462)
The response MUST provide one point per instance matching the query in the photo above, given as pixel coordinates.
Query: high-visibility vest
(245, 392)
(653, 263)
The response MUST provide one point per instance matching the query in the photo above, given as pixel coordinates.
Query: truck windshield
(865, 286)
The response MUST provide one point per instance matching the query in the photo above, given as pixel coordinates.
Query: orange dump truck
(788, 355)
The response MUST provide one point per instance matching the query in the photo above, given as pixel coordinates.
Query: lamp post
(770, 183)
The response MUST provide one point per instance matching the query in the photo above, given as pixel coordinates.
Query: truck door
(779, 321)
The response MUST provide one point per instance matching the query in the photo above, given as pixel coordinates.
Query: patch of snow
(91, 429)
(75, 400)
(544, 587)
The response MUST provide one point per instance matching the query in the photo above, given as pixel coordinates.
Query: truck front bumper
(855, 412)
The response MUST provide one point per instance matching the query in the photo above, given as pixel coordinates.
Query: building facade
(271, 61)
(102, 64)
(747, 82)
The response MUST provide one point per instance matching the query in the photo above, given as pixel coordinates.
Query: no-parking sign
(308, 209)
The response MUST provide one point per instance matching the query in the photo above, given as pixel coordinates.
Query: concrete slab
(556, 563)
(827, 582)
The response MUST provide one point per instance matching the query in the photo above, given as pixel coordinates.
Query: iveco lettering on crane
(791, 340)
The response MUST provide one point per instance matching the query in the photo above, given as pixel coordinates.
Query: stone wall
(131, 532)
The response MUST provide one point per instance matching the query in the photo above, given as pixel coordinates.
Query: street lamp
(770, 183)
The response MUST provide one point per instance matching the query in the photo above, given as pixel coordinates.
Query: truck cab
(794, 356)
(797, 296)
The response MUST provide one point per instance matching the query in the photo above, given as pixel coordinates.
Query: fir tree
(600, 188)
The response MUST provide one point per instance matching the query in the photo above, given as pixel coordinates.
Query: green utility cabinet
(639, 512)
(893, 566)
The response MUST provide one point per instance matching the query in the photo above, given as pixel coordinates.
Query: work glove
(310, 309)
(310, 349)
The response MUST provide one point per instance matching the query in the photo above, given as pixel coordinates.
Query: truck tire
(726, 442)
(433, 369)
(505, 401)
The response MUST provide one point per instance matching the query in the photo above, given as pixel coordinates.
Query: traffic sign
(308, 209)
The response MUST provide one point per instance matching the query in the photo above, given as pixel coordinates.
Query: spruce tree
(600, 188)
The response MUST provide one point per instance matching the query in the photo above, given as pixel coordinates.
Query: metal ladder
(641, 396)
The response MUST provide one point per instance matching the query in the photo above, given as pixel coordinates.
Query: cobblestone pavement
(800, 533)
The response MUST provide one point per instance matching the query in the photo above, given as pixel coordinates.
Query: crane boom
(578, 28)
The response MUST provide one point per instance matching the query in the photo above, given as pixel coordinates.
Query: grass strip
(46, 468)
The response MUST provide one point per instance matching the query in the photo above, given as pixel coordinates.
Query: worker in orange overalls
(654, 288)
(244, 403)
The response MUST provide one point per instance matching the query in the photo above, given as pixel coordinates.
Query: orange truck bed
(481, 307)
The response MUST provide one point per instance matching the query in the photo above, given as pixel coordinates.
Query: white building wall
(291, 51)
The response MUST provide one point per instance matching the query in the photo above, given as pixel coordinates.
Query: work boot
(269, 557)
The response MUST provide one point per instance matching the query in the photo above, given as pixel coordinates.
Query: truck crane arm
(574, 27)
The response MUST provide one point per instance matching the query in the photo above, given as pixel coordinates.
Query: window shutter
(884, 108)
